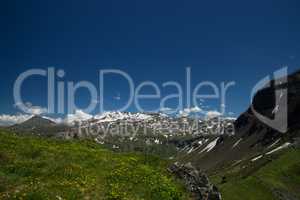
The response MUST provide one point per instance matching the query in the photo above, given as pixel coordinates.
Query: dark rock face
(197, 183)
(264, 103)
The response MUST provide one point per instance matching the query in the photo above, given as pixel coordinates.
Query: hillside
(276, 177)
(252, 138)
(40, 168)
(257, 162)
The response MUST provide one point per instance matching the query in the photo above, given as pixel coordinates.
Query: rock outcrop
(196, 182)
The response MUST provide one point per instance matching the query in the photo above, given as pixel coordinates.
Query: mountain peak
(36, 121)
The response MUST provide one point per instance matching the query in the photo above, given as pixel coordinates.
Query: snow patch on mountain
(78, 116)
(285, 145)
(272, 145)
(115, 116)
(256, 158)
(210, 146)
(237, 143)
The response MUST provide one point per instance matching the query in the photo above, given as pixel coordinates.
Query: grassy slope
(33, 168)
(267, 179)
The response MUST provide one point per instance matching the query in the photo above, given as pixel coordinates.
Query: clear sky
(241, 41)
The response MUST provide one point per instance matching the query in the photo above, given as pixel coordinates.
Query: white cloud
(78, 116)
(212, 114)
(187, 111)
(8, 120)
(166, 110)
(195, 109)
(183, 114)
(36, 110)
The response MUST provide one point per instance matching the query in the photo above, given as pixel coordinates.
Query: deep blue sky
(240, 41)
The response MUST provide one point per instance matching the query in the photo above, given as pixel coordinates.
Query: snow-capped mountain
(160, 123)
(125, 131)
(116, 116)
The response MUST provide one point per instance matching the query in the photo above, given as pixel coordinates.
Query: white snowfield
(272, 145)
(210, 146)
(285, 145)
(78, 116)
(257, 158)
(191, 150)
(237, 143)
(115, 116)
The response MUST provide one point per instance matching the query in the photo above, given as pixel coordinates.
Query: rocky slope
(196, 182)
(253, 139)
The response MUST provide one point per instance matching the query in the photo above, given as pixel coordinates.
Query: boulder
(196, 182)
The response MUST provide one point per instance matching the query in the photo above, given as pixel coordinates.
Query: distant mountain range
(124, 131)
(205, 142)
